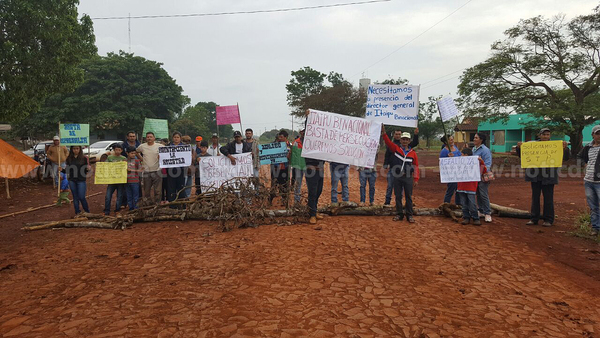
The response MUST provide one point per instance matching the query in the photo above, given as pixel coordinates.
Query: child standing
(468, 192)
(134, 168)
(64, 190)
(111, 188)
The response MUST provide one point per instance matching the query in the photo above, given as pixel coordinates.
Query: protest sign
(228, 115)
(447, 108)
(216, 170)
(393, 105)
(542, 154)
(74, 134)
(111, 172)
(273, 153)
(159, 127)
(460, 169)
(341, 138)
(175, 156)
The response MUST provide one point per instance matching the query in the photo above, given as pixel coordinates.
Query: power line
(416, 37)
(240, 12)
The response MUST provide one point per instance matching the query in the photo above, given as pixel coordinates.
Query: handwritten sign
(447, 108)
(111, 172)
(159, 127)
(542, 154)
(228, 115)
(273, 153)
(341, 138)
(175, 156)
(217, 170)
(74, 134)
(393, 105)
(460, 169)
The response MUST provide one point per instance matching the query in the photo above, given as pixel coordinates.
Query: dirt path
(356, 277)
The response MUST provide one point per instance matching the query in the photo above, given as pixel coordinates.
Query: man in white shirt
(152, 175)
(213, 149)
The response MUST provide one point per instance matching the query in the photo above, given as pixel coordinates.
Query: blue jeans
(469, 206)
(592, 194)
(189, 182)
(78, 189)
(339, 172)
(54, 172)
(390, 187)
(298, 184)
(133, 195)
(450, 190)
(110, 189)
(483, 198)
(367, 176)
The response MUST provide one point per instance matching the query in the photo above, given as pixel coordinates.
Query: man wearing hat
(590, 155)
(57, 154)
(404, 165)
(237, 146)
(213, 148)
(543, 181)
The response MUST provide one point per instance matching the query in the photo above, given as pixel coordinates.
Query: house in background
(465, 131)
(503, 135)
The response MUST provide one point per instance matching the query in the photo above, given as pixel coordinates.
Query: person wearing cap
(237, 146)
(590, 155)
(404, 166)
(386, 161)
(201, 151)
(54, 153)
(214, 147)
(542, 181)
(254, 145)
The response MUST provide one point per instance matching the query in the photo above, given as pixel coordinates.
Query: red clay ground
(357, 277)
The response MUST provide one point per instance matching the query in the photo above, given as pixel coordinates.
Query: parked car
(99, 150)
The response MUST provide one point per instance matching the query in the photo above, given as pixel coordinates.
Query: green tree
(270, 135)
(549, 68)
(119, 92)
(430, 122)
(42, 44)
(307, 89)
(201, 120)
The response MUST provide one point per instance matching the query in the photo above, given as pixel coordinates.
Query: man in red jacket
(404, 165)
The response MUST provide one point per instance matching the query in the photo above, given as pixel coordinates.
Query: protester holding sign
(111, 188)
(386, 161)
(483, 197)
(152, 176)
(237, 146)
(405, 170)
(543, 180)
(590, 155)
(176, 164)
(450, 150)
(53, 154)
(468, 193)
(134, 168)
(77, 167)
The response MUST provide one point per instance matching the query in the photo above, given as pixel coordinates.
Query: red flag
(227, 115)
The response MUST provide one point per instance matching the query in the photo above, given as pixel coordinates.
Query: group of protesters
(148, 184)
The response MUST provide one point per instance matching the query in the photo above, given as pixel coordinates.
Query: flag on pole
(447, 108)
(228, 115)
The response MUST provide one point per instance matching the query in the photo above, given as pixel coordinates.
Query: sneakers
(546, 224)
(465, 222)
(531, 222)
(312, 220)
(488, 218)
(476, 222)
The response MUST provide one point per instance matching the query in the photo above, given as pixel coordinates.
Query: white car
(99, 150)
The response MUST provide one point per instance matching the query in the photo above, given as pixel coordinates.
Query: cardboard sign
(393, 105)
(227, 115)
(273, 153)
(175, 156)
(542, 154)
(74, 134)
(159, 127)
(447, 108)
(460, 169)
(111, 172)
(341, 138)
(217, 170)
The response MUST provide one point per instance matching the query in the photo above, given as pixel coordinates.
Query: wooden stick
(53, 224)
(39, 208)
(97, 225)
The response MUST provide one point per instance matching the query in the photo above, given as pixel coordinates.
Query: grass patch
(583, 227)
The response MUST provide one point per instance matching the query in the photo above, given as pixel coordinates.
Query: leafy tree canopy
(42, 44)
(549, 68)
(201, 120)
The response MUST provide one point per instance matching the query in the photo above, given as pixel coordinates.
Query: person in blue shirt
(483, 197)
(450, 150)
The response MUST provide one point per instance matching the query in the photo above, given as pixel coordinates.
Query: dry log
(514, 215)
(508, 210)
(53, 224)
(97, 225)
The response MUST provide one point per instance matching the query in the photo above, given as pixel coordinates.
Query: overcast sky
(247, 59)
